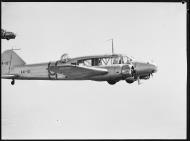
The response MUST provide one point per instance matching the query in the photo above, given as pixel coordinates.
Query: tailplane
(10, 59)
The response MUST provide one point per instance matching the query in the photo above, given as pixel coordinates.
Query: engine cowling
(127, 71)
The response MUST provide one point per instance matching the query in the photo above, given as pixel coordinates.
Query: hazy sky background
(88, 109)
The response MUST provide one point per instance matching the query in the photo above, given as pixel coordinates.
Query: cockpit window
(105, 61)
(96, 61)
(64, 58)
(117, 60)
(87, 62)
(126, 60)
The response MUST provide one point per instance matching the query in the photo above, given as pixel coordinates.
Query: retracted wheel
(13, 82)
(111, 82)
(129, 81)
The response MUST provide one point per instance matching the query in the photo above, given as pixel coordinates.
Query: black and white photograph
(93, 70)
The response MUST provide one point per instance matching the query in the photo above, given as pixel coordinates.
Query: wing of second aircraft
(73, 71)
(9, 76)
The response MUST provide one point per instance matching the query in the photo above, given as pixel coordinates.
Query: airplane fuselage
(41, 72)
(110, 68)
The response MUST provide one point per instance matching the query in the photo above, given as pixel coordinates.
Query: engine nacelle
(127, 70)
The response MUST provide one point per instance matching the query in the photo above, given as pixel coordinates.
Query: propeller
(133, 72)
(138, 80)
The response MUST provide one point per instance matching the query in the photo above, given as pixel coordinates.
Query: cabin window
(117, 60)
(80, 62)
(105, 61)
(126, 60)
(88, 62)
(96, 61)
(111, 60)
(74, 63)
(100, 61)
(84, 62)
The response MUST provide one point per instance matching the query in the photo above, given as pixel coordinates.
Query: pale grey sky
(88, 109)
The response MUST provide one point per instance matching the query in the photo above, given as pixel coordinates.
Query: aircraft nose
(145, 68)
(154, 68)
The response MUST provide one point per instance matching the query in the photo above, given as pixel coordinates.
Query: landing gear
(129, 81)
(111, 82)
(12, 82)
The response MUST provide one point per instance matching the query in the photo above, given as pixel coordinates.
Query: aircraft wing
(74, 71)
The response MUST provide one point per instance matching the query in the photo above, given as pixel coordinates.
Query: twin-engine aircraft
(111, 68)
(7, 35)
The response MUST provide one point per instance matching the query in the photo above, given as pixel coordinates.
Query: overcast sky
(89, 109)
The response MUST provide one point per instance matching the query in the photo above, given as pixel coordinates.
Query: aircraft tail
(10, 59)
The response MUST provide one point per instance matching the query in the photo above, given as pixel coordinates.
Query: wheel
(129, 81)
(111, 82)
(13, 82)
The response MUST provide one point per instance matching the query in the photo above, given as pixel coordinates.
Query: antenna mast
(112, 45)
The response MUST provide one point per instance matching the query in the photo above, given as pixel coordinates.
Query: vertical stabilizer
(10, 59)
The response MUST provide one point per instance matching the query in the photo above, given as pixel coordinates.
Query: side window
(84, 62)
(117, 60)
(80, 62)
(96, 61)
(105, 61)
(126, 60)
(88, 62)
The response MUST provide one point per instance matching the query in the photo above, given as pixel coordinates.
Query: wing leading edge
(73, 71)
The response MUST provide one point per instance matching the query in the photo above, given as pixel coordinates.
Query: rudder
(10, 59)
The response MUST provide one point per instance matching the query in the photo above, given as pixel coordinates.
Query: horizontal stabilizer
(9, 76)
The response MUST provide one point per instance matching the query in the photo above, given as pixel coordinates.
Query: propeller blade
(138, 80)
(133, 71)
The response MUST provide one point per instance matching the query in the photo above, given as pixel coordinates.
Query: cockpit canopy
(102, 60)
(64, 58)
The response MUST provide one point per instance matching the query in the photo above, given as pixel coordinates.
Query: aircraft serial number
(25, 71)
(4, 63)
